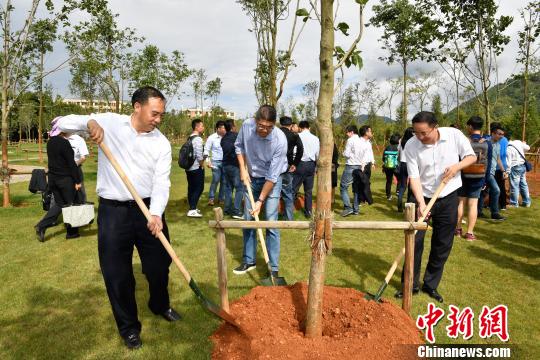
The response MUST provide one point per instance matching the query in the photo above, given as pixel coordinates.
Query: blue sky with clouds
(213, 34)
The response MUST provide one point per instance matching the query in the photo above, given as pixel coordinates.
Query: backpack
(186, 156)
(390, 159)
(478, 169)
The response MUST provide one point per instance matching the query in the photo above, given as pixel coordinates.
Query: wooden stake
(221, 261)
(408, 270)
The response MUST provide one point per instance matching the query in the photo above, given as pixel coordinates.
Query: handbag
(528, 165)
(78, 215)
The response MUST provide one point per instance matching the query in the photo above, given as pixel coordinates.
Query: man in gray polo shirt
(264, 151)
(435, 155)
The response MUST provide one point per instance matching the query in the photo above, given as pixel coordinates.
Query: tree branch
(355, 42)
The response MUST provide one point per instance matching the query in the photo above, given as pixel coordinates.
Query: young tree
(436, 108)
(408, 31)
(199, 87)
(528, 47)
(273, 64)
(321, 236)
(348, 113)
(421, 86)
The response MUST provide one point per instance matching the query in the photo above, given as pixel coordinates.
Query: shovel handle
(144, 209)
(259, 230)
(398, 258)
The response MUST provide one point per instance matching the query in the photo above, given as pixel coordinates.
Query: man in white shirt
(145, 155)
(80, 150)
(353, 154)
(305, 172)
(214, 154)
(195, 174)
(515, 157)
(433, 156)
(367, 162)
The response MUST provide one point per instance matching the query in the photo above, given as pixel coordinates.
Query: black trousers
(443, 221)
(195, 179)
(499, 177)
(63, 189)
(305, 175)
(390, 173)
(120, 227)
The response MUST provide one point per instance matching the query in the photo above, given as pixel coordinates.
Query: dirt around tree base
(272, 319)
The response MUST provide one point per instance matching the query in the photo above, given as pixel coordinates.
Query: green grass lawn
(54, 303)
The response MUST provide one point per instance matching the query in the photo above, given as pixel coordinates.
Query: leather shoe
(133, 341)
(171, 315)
(432, 293)
(399, 293)
(40, 233)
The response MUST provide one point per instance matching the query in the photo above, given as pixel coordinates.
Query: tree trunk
(5, 109)
(404, 120)
(458, 120)
(322, 234)
(40, 114)
(525, 90)
(273, 52)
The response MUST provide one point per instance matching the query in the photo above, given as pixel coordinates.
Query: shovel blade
(274, 281)
(372, 297)
(210, 306)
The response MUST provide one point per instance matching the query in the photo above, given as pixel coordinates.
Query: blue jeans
(518, 184)
(271, 213)
(217, 178)
(287, 192)
(346, 181)
(494, 192)
(233, 182)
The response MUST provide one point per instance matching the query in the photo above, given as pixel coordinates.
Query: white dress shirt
(79, 147)
(353, 152)
(367, 151)
(428, 162)
(212, 148)
(513, 157)
(144, 157)
(198, 151)
(311, 146)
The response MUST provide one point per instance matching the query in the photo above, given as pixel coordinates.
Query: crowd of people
(275, 162)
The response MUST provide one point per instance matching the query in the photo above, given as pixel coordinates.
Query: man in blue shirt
(497, 133)
(500, 176)
(264, 151)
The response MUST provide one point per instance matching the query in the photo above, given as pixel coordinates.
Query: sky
(214, 35)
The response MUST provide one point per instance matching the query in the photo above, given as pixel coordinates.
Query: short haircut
(195, 122)
(352, 128)
(304, 124)
(496, 126)
(219, 124)
(364, 129)
(476, 122)
(407, 135)
(266, 112)
(394, 139)
(142, 94)
(425, 117)
(285, 121)
(229, 124)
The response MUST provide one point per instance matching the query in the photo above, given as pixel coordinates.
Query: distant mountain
(362, 119)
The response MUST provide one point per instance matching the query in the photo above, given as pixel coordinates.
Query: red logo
(494, 322)
(460, 323)
(428, 321)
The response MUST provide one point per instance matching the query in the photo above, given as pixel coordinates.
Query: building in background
(195, 113)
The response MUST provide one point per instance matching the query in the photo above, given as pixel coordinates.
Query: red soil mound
(272, 319)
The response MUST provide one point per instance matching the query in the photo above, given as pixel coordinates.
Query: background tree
(99, 51)
(528, 47)
(408, 31)
(475, 23)
(436, 108)
(151, 67)
(421, 86)
(199, 87)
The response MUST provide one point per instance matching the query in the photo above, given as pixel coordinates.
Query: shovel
(377, 296)
(204, 301)
(271, 280)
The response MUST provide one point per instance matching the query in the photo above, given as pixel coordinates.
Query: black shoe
(72, 236)
(171, 315)
(399, 293)
(40, 233)
(432, 293)
(497, 217)
(133, 341)
(308, 214)
(244, 268)
(275, 274)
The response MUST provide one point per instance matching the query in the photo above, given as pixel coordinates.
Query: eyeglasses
(265, 127)
(423, 133)
(499, 133)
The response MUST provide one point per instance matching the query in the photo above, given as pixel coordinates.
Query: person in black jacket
(390, 160)
(295, 150)
(231, 172)
(64, 182)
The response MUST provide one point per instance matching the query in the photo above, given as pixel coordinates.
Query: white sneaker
(194, 213)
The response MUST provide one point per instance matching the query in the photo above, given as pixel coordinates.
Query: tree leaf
(343, 27)
(302, 12)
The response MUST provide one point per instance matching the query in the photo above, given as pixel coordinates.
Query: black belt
(127, 203)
